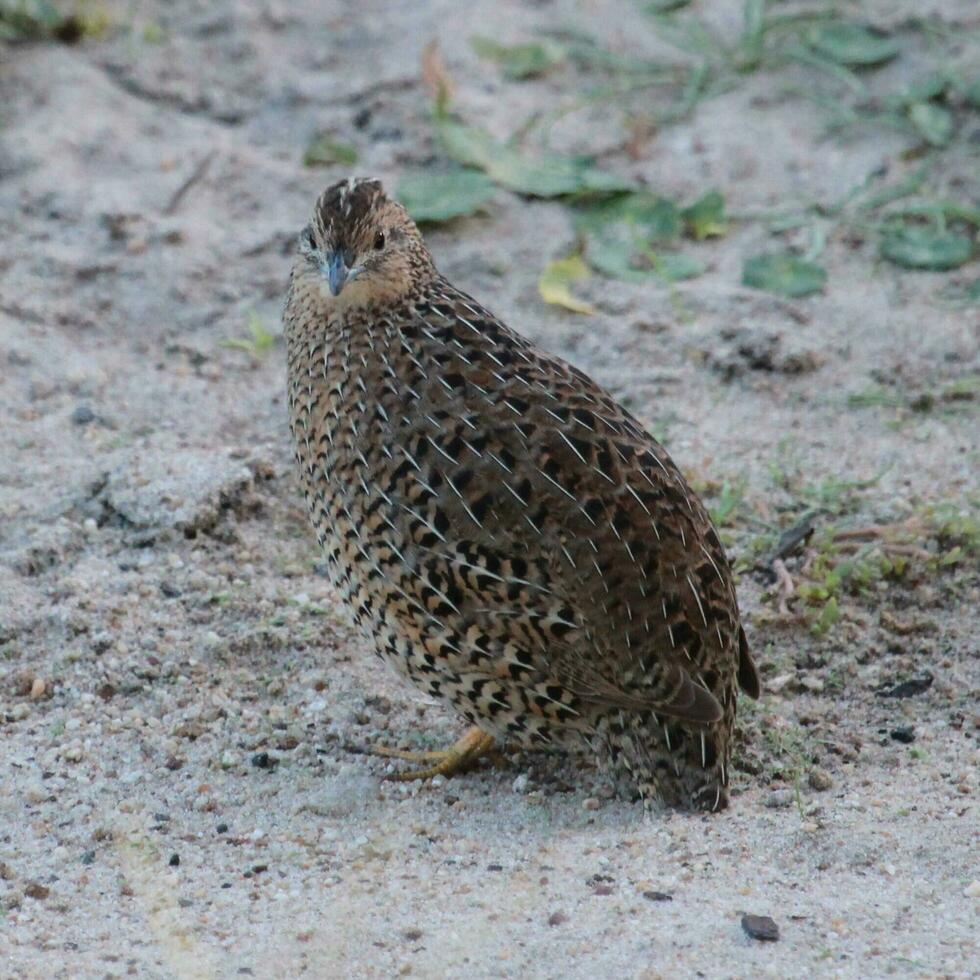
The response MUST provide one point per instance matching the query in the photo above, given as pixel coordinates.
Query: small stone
(972, 890)
(262, 760)
(259, 868)
(412, 935)
(38, 689)
(810, 683)
(73, 753)
(229, 760)
(761, 927)
(557, 918)
(222, 828)
(88, 857)
(34, 889)
(174, 861)
(591, 803)
(520, 783)
(904, 734)
(20, 711)
(779, 798)
(82, 415)
(820, 780)
(169, 590)
(658, 897)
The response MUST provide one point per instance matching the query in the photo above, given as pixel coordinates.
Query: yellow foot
(474, 744)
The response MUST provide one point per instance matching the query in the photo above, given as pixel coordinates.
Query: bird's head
(361, 249)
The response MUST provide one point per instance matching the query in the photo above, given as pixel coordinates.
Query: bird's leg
(460, 757)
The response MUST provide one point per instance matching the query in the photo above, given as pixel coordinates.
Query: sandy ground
(184, 714)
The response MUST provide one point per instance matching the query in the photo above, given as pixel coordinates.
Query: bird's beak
(336, 271)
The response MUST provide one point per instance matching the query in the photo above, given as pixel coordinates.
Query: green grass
(259, 342)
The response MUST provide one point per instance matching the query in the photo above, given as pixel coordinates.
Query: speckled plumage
(510, 537)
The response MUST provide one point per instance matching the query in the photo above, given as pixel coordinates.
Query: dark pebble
(82, 415)
(658, 897)
(170, 590)
(557, 918)
(88, 857)
(259, 868)
(495, 867)
(262, 760)
(907, 689)
(904, 734)
(174, 861)
(761, 927)
(222, 828)
(35, 889)
(412, 935)
(226, 884)
(185, 903)
(361, 118)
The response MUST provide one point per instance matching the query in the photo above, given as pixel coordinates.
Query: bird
(505, 533)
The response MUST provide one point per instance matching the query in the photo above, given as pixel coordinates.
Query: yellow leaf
(556, 279)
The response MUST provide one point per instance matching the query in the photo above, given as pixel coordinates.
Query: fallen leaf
(783, 274)
(555, 282)
(441, 197)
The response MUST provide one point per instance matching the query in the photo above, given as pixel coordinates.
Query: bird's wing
(566, 544)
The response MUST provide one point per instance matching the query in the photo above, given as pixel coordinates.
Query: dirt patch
(177, 680)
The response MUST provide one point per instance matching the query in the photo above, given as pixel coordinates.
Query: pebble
(262, 760)
(88, 857)
(904, 734)
(591, 803)
(520, 783)
(820, 780)
(34, 889)
(972, 890)
(779, 798)
(20, 711)
(230, 759)
(761, 927)
(38, 688)
(557, 918)
(82, 415)
(174, 861)
(658, 897)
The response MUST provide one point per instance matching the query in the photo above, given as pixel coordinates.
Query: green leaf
(520, 60)
(705, 218)
(674, 266)
(547, 175)
(441, 197)
(934, 123)
(325, 150)
(655, 218)
(926, 88)
(784, 274)
(925, 247)
(620, 231)
(555, 282)
(852, 44)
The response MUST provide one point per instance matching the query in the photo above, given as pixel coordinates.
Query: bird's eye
(379, 240)
(310, 240)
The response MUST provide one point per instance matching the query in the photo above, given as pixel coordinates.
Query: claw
(448, 762)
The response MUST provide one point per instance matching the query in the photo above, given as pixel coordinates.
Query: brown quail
(508, 535)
